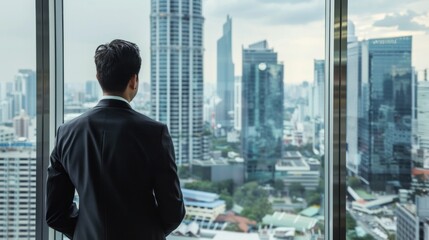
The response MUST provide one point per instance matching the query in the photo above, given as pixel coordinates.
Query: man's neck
(117, 95)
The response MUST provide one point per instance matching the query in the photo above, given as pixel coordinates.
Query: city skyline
(296, 48)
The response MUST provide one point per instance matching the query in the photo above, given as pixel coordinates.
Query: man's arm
(167, 187)
(61, 212)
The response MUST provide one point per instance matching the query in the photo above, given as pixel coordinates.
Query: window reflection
(386, 78)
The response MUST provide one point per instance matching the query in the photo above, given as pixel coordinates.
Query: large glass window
(17, 120)
(241, 88)
(387, 133)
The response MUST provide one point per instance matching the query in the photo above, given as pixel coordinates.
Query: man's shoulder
(136, 117)
(144, 119)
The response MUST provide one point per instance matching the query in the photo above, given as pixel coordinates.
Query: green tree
(233, 227)
(313, 198)
(229, 201)
(184, 172)
(202, 186)
(254, 201)
(353, 182)
(350, 222)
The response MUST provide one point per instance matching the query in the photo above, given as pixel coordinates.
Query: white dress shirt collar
(115, 98)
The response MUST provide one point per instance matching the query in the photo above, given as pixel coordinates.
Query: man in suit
(120, 162)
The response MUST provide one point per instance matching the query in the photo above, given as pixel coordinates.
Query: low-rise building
(202, 205)
(294, 168)
(220, 170)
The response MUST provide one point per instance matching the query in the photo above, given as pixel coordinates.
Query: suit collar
(113, 103)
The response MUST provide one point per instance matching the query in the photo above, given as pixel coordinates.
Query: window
(387, 150)
(17, 120)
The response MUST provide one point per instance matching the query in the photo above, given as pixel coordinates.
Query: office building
(262, 111)
(18, 194)
(319, 89)
(219, 170)
(237, 103)
(21, 124)
(385, 127)
(25, 91)
(7, 134)
(225, 77)
(177, 73)
(295, 169)
(413, 220)
(6, 110)
(423, 114)
(354, 72)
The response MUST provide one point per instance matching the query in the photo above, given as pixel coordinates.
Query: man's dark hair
(116, 63)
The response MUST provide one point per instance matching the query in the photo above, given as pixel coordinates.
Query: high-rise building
(354, 71)
(225, 77)
(237, 103)
(177, 73)
(262, 111)
(25, 88)
(21, 124)
(6, 110)
(18, 194)
(413, 220)
(319, 89)
(423, 114)
(385, 129)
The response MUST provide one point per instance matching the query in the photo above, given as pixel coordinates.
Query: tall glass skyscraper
(177, 73)
(262, 111)
(225, 77)
(385, 142)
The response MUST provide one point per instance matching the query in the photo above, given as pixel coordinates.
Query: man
(120, 162)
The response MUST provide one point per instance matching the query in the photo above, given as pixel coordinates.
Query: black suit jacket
(123, 167)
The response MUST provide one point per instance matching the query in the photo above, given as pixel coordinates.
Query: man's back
(122, 166)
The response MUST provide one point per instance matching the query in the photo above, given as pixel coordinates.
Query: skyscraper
(225, 77)
(385, 143)
(318, 112)
(354, 72)
(25, 88)
(319, 89)
(21, 124)
(423, 113)
(18, 193)
(177, 73)
(237, 103)
(262, 111)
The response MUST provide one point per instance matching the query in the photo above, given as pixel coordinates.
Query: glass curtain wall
(387, 120)
(17, 120)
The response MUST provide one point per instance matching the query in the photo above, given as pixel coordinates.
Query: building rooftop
(201, 199)
(311, 211)
(282, 219)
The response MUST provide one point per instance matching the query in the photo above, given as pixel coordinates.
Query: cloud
(273, 12)
(370, 7)
(403, 22)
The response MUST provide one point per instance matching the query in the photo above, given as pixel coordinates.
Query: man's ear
(133, 82)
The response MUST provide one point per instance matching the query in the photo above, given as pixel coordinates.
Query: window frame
(50, 107)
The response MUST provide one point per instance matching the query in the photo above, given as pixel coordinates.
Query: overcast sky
(294, 28)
